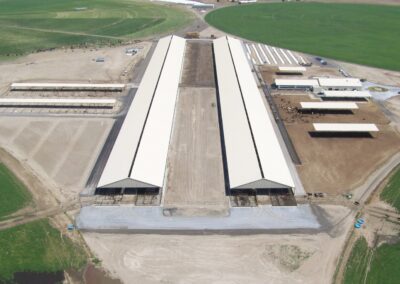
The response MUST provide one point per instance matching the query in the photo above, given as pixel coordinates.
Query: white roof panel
(242, 163)
(296, 82)
(328, 105)
(57, 86)
(339, 82)
(121, 157)
(347, 94)
(151, 158)
(292, 69)
(345, 127)
(58, 101)
(272, 159)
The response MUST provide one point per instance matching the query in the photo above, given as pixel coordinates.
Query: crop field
(391, 192)
(357, 263)
(13, 193)
(382, 268)
(358, 33)
(37, 247)
(30, 25)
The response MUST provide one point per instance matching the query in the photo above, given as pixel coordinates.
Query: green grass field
(13, 194)
(30, 25)
(383, 266)
(391, 192)
(357, 263)
(37, 247)
(364, 34)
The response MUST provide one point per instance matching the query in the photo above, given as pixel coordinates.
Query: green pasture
(31, 25)
(37, 247)
(358, 33)
(13, 194)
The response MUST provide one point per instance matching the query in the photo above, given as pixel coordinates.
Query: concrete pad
(152, 219)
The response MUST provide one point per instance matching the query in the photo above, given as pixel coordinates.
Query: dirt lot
(195, 172)
(195, 169)
(60, 150)
(393, 104)
(72, 65)
(376, 75)
(337, 165)
(264, 258)
(198, 69)
(367, 112)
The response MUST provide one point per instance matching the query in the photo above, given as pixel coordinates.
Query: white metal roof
(347, 94)
(340, 82)
(56, 86)
(328, 105)
(59, 101)
(292, 69)
(242, 163)
(296, 82)
(151, 158)
(345, 127)
(273, 163)
(121, 157)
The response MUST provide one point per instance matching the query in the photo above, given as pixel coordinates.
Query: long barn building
(139, 156)
(254, 157)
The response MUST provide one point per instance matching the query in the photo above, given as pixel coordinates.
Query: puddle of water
(38, 277)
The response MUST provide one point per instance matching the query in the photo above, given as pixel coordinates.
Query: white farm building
(254, 156)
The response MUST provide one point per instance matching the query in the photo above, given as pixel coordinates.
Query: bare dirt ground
(195, 168)
(211, 31)
(375, 75)
(60, 150)
(337, 165)
(393, 104)
(272, 258)
(195, 172)
(198, 69)
(72, 65)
